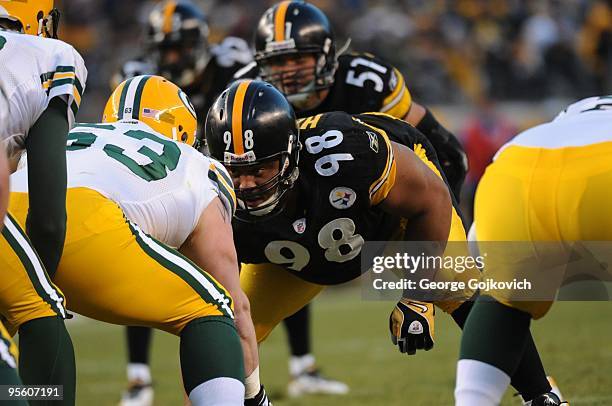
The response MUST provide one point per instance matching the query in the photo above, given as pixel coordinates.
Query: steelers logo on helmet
(32, 17)
(295, 51)
(252, 129)
(158, 103)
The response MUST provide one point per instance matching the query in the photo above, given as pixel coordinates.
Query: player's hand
(412, 326)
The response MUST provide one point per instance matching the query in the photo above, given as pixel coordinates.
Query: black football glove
(412, 326)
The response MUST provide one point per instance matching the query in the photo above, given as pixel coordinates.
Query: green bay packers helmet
(296, 27)
(249, 124)
(34, 17)
(157, 102)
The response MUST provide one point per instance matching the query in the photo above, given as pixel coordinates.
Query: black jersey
(226, 58)
(346, 169)
(362, 83)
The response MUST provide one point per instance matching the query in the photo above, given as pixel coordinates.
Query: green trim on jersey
(74, 107)
(226, 194)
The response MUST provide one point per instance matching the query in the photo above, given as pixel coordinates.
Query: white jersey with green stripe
(34, 70)
(161, 185)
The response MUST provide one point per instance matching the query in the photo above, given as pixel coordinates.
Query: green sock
(8, 376)
(46, 357)
(529, 378)
(495, 334)
(210, 348)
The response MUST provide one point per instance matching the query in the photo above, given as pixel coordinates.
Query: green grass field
(351, 343)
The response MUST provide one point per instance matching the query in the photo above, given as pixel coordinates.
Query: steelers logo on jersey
(342, 197)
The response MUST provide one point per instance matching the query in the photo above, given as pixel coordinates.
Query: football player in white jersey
(4, 169)
(8, 349)
(125, 171)
(176, 47)
(43, 80)
(549, 187)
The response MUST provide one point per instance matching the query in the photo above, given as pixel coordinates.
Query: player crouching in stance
(42, 79)
(549, 184)
(8, 349)
(123, 172)
(293, 236)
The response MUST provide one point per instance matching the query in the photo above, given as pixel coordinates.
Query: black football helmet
(249, 124)
(177, 36)
(296, 27)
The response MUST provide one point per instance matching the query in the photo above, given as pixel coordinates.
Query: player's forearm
(46, 148)
(439, 136)
(242, 311)
(246, 331)
(217, 256)
(420, 196)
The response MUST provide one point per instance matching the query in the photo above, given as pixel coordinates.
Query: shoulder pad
(383, 85)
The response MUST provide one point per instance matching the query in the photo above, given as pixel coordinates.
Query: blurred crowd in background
(465, 55)
(449, 50)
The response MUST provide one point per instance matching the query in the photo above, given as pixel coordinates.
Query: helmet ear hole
(221, 114)
(180, 128)
(184, 137)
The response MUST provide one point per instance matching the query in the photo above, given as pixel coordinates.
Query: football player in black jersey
(296, 51)
(177, 48)
(310, 193)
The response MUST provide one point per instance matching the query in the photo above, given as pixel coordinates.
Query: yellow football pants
(543, 195)
(113, 272)
(26, 291)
